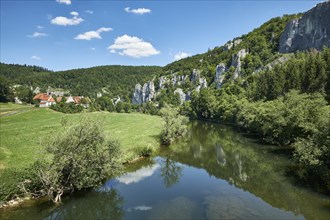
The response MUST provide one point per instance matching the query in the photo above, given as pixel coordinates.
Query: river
(214, 173)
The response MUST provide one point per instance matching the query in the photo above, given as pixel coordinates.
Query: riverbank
(23, 134)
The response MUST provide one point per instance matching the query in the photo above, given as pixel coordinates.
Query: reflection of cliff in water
(227, 155)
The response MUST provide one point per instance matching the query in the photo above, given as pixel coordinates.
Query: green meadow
(24, 129)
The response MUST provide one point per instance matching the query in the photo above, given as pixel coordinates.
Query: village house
(44, 100)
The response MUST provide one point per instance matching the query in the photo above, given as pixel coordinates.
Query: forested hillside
(262, 45)
(282, 98)
(108, 80)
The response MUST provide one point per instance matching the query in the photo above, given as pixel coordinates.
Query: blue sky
(67, 34)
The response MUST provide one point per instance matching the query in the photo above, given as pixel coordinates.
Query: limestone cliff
(143, 93)
(312, 30)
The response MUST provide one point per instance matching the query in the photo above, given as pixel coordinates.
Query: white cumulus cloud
(34, 57)
(92, 34)
(139, 11)
(64, 21)
(89, 12)
(74, 13)
(67, 2)
(37, 34)
(181, 55)
(40, 27)
(133, 47)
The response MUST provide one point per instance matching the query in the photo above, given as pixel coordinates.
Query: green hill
(110, 80)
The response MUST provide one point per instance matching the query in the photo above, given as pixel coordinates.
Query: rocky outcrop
(231, 44)
(279, 60)
(236, 62)
(137, 95)
(312, 30)
(197, 80)
(219, 74)
(143, 94)
(148, 92)
(162, 82)
(181, 94)
(178, 80)
(202, 84)
(195, 75)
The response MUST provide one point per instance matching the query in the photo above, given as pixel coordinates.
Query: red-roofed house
(44, 100)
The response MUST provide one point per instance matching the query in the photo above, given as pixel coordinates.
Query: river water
(214, 173)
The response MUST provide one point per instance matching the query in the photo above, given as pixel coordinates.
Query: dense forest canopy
(110, 80)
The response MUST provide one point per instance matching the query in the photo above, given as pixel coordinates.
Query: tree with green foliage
(82, 158)
(175, 125)
(6, 94)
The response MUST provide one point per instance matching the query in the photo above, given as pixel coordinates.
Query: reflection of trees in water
(230, 156)
(221, 155)
(102, 204)
(171, 172)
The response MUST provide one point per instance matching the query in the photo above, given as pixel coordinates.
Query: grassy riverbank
(23, 132)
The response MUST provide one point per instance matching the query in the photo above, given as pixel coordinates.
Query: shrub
(145, 151)
(82, 159)
(175, 124)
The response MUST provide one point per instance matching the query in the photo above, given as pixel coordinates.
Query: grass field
(23, 131)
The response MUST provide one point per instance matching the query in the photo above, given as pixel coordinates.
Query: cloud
(139, 11)
(133, 47)
(181, 55)
(37, 34)
(34, 57)
(92, 48)
(67, 2)
(40, 27)
(89, 12)
(138, 175)
(64, 21)
(92, 34)
(74, 13)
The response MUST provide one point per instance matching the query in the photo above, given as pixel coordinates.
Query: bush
(145, 151)
(82, 159)
(19, 182)
(175, 125)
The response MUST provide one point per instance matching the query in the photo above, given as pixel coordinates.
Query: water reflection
(178, 208)
(214, 174)
(246, 165)
(137, 176)
(170, 172)
(221, 155)
(95, 205)
(98, 204)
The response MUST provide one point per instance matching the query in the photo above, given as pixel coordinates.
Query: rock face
(137, 95)
(182, 95)
(194, 77)
(162, 82)
(178, 80)
(312, 30)
(219, 74)
(143, 94)
(199, 82)
(236, 62)
(148, 92)
(230, 44)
